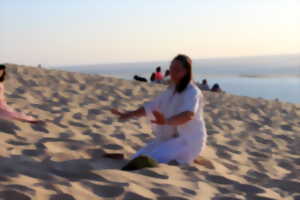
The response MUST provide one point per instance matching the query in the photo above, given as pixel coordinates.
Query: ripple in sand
(131, 196)
(287, 127)
(249, 189)
(94, 112)
(153, 174)
(8, 127)
(32, 152)
(234, 142)
(225, 198)
(172, 198)
(257, 177)
(17, 143)
(159, 191)
(113, 147)
(265, 141)
(57, 120)
(285, 185)
(120, 136)
(96, 153)
(224, 190)
(10, 194)
(20, 90)
(107, 191)
(74, 171)
(20, 188)
(15, 96)
(77, 124)
(219, 179)
(261, 198)
(39, 127)
(66, 135)
(77, 116)
(188, 191)
(286, 164)
(63, 196)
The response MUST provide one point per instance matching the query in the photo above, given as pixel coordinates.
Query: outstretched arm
(140, 112)
(23, 117)
(175, 120)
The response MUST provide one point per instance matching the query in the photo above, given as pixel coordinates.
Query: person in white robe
(177, 118)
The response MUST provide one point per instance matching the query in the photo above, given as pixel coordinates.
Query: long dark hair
(187, 65)
(2, 67)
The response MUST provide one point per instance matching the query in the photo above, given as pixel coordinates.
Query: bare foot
(204, 162)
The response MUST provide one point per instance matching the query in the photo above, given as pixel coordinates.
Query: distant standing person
(204, 85)
(216, 88)
(158, 75)
(177, 116)
(7, 112)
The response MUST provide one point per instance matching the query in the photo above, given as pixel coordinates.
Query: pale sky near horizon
(67, 32)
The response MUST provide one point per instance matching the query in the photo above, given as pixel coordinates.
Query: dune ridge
(252, 149)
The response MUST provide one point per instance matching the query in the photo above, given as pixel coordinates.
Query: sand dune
(252, 152)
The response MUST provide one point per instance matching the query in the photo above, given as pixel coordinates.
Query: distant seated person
(216, 88)
(159, 77)
(204, 85)
(167, 78)
(152, 78)
(167, 73)
(139, 78)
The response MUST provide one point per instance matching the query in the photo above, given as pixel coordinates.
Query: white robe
(182, 143)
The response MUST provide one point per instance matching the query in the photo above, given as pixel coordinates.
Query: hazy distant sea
(269, 77)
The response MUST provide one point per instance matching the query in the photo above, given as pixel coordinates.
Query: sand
(252, 149)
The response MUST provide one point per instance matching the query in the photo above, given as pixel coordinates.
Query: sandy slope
(253, 144)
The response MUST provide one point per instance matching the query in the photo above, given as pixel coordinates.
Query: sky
(74, 32)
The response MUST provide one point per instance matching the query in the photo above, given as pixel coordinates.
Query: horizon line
(208, 58)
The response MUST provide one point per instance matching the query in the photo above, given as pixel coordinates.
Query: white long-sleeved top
(183, 142)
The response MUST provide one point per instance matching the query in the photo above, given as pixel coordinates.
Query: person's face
(177, 71)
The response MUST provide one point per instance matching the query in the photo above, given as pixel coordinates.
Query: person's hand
(159, 118)
(122, 116)
(36, 121)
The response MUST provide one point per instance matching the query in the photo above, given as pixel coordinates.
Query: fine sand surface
(253, 147)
